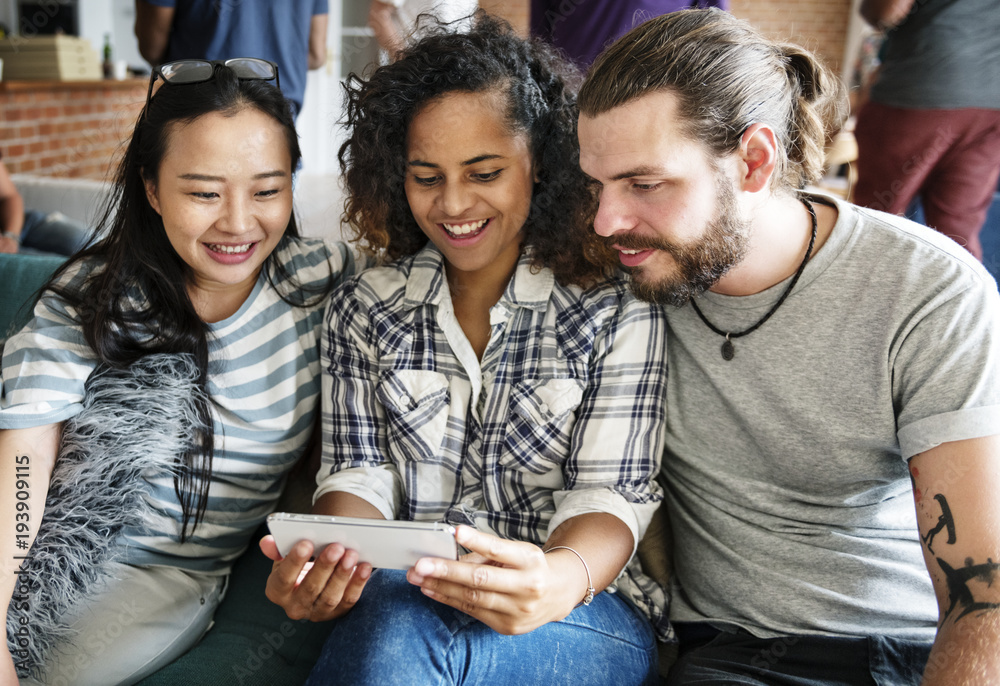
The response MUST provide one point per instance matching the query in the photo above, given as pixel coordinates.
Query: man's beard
(699, 266)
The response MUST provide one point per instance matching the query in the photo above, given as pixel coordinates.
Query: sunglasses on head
(183, 72)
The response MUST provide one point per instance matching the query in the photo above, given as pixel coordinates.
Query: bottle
(107, 65)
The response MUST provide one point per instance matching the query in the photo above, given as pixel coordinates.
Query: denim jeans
(708, 656)
(52, 233)
(396, 635)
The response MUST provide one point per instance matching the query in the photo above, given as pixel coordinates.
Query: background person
(830, 368)
(583, 28)
(193, 322)
(485, 377)
(395, 21)
(931, 125)
(32, 231)
(291, 33)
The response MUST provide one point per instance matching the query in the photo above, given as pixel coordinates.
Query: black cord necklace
(728, 349)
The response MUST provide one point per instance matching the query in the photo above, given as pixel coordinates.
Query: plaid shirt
(564, 415)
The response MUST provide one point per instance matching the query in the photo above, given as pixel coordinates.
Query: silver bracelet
(13, 236)
(587, 599)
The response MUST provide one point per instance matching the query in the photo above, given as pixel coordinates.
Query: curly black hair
(540, 89)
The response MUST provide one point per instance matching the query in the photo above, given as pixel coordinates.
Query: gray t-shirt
(944, 55)
(786, 474)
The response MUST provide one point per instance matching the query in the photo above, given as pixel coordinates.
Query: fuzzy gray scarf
(134, 421)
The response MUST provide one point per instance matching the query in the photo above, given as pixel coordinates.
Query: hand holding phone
(381, 543)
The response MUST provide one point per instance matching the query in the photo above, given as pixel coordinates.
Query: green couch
(21, 276)
(252, 641)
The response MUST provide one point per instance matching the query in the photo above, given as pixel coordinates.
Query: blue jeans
(396, 635)
(52, 233)
(736, 657)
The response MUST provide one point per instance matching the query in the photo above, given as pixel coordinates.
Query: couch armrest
(21, 276)
(80, 199)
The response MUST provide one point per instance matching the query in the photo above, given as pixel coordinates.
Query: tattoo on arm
(968, 581)
(945, 521)
(959, 592)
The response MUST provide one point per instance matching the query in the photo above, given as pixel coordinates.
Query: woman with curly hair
(494, 374)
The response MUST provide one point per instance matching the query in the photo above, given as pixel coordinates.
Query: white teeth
(230, 249)
(463, 229)
(630, 252)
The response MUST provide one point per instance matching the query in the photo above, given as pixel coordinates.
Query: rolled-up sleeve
(619, 434)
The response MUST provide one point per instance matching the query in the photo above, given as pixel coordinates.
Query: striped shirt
(563, 416)
(263, 379)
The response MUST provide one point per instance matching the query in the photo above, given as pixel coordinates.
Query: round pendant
(728, 350)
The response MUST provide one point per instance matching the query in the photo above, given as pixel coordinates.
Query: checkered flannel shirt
(563, 416)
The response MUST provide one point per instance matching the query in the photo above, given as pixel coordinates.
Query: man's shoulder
(900, 251)
(907, 281)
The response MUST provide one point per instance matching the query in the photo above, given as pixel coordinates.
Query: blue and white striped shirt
(564, 415)
(263, 379)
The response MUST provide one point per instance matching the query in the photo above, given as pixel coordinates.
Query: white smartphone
(379, 542)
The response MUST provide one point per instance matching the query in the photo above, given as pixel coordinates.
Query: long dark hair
(135, 301)
(540, 92)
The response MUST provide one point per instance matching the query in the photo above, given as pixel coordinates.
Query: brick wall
(517, 12)
(77, 129)
(820, 25)
(70, 129)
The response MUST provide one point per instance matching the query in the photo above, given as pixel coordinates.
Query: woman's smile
(469, 184)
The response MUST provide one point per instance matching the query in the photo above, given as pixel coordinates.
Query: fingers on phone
(478, 585)
(284, 572)
(501, 612)
(321, 589)
(269, 548)
(285, 576)
(341, 594)
(518, 554)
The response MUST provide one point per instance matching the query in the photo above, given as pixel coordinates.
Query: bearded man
(833, 457)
